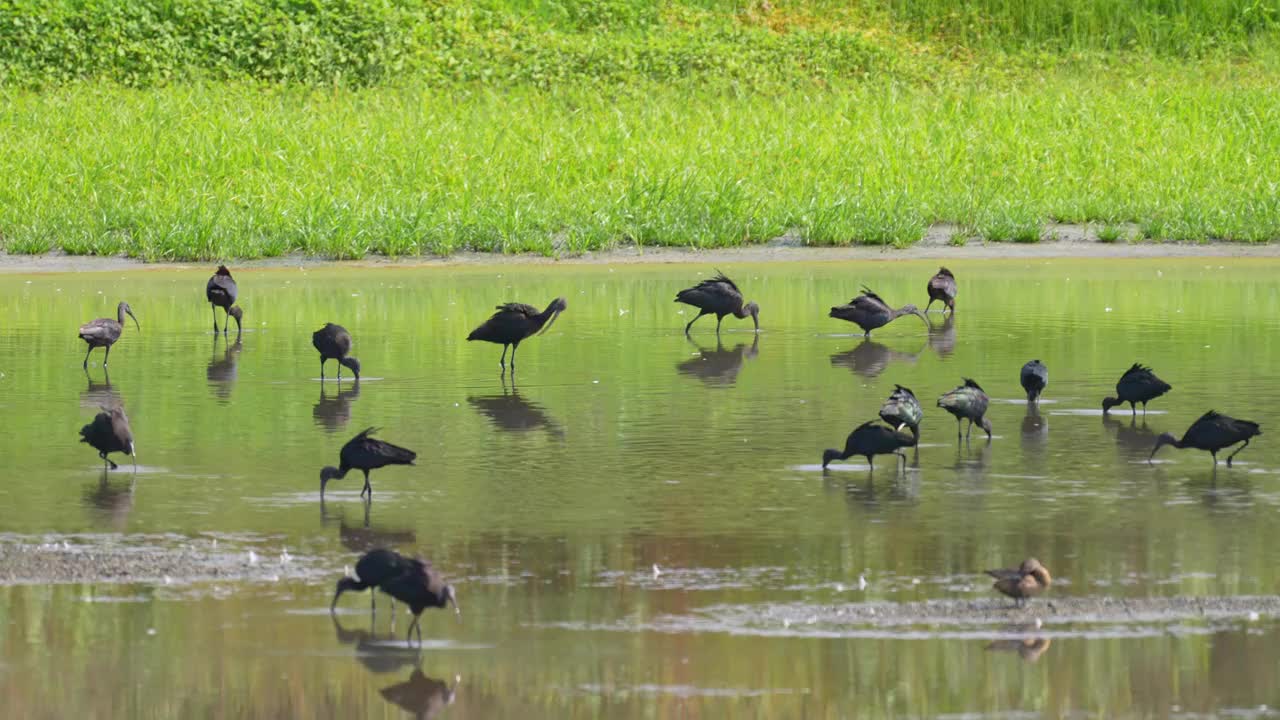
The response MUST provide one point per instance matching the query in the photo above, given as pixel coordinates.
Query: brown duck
(1023, 582)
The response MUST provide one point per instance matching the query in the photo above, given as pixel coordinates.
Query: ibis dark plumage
(1023, 582)
(420, 588)
(334, 343)
(221, 292)
(104, 332)
(869, 311)
(372, 570)
(942, 287)
(110, 432)
(868, 440)
(1137, 385)
(718, 296)
(364, 453)
(1213, 432)
(967, 402)
(515, 322)
(1034, 379)
(902, 409)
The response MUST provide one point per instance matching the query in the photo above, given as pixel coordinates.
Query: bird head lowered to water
(753, 310)
(1110, 402)
(1161, 441)
(327, 473)
(910, 309)
(351, 363)
(452, 597)
(236, 313)
(553, 311)
(828, 455)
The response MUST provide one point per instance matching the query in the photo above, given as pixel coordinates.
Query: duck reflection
(379, 653)
(333, 413)
(870, 358)
(421, 696)
(511, 413)
(942, 338)
(1131, 437)
(719, 366)
(222, 371)
(111, 503)
(99, 395)
(1029, 649)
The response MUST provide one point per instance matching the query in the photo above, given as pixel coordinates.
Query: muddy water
(200, 585)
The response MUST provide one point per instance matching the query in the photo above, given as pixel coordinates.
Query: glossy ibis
(109, 432)
(870, 439)
(221, 292)
(1137, 385)
(513, 323)
(902, 409)
(421, 587)
(104, 332)
(869, 311)
(967, 402)
(1213, 432)
(1034, 379)
(364, 453)
(942, 287)
(372, 570)
(334, 343)
(718, 296)
(1023, 582)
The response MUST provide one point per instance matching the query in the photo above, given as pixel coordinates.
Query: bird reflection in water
(1029, 649)
(1132, 437)
(942, 337)
(871, 358)
(222, 371)
(99, 394)
(1035, 427)
(365, 538)
(379, 653)
(511, 413)
(719, 366)
(421, 696)
(333, 413)
(111, 503)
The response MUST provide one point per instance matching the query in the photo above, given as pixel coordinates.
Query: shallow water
(623, 446)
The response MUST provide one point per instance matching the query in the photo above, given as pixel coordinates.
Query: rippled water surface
(637, 524)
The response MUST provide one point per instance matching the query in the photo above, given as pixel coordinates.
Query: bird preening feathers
(110, 432)
(515, 322)
(1023, 582)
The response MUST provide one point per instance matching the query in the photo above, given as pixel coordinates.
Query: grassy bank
(530, 127)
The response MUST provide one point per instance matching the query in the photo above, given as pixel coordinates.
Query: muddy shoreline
(1062, 242)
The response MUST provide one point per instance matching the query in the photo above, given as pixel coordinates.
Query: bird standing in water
(110, 432)
(221, 292)
(718, 296)
(1034, 379)
(104, 332)
(868, 311)
(1213, 432)
(1137, 385)
(967, 402)
(334, 343)
(902, 409)
(1023, 582)
(870, 439)
(364, 453)
(421, 587)
(372, 570)
(513, 323)
(942, 287)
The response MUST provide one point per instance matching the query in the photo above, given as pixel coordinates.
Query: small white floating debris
(355, 294)
(151, 631)
(622, 311)
(1159, 273)
(275, 578)
(595, 382)
(1039, 623)
(1206, 347)
(1108, 309)
(66, 545)
(840, 587)
(915, 581)
(1253, 617)
(215, 543)
(657, 571)
(284, 556)
(862, 582)
(679, 312)
(253, 558)
(168, 580)
(786, 623)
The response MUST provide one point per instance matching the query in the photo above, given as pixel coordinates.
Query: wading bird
(967, 402)
(1023, 582)
(420, 588)
(221, 292)
(104, 332)
(334, 342)
(109, 432)
(364, 453)
(1034, 378)
(372, 570)
(1137, 385)
(902, 409)
(513, 323)
(718, 296)
(870, 439)
(1213, 432)
(942, 287)
(868, 311)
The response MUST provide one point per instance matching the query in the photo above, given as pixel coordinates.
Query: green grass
(193, 130)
